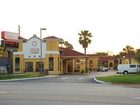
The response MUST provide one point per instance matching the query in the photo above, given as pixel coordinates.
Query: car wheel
(125, 72)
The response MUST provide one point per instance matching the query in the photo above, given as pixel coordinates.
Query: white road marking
(64, 78)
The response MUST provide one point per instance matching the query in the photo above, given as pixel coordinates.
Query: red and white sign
(34, 50)
(9, 35)
(11, 44)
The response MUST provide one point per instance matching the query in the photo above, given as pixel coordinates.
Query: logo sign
(10, 44)
(34, 50)
(9, 35)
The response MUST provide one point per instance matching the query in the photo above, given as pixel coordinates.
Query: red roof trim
(67, 52)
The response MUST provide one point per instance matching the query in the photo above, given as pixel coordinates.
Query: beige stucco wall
(94, 62)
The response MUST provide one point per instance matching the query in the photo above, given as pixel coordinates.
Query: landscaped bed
(17, 76)
(129, 79)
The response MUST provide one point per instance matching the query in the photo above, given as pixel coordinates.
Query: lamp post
(41, 29)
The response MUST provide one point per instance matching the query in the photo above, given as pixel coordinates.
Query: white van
(128, 68)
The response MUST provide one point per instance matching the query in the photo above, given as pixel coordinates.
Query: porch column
(73, 65)
(34, 66)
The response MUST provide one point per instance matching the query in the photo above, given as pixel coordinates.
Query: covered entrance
(73, 65)
(72, 61)
(68, 66)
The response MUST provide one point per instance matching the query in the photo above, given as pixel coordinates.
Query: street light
(41, 29)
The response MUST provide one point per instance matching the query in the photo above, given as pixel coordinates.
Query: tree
(137, 55)
(102, 54)
(65, 43)
(84, 39)
(3, 52)
(129, 51)
(61, 42)
(68, 45)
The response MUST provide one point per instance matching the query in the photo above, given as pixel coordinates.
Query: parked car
(128, 68)
(3, 69)
(102, 68)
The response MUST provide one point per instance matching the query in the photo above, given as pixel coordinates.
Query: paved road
(64, 79)
(66, 90)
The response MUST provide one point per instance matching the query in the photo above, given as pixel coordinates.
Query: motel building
(45, 55)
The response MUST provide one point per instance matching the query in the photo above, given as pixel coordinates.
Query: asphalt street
(63, 79)
(66, 90)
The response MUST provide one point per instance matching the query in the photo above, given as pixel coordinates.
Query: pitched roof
(92, 55)
(106, 58)
(67, 52)
(51, 37)
(21, 37)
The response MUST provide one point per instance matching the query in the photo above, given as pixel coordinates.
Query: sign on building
(9, 35)
(10, 39)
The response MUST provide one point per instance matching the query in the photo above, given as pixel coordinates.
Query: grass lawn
(130, 79)
(17, 76)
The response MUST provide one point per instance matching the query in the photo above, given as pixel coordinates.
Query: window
(132, 66)
(138, 66)
(17, 64)
(91, 62)
(61, 52)
(78, 60)
(51, 63)
(120, 61)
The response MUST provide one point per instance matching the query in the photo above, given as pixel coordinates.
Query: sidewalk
(33, 78)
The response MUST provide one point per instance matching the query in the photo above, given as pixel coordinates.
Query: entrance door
(29, 66)
(69, 66)
(39, 66)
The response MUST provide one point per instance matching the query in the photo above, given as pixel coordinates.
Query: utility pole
(41, 41)
(19, 30)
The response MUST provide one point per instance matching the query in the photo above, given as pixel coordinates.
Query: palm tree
(84, 39)
(129, 51)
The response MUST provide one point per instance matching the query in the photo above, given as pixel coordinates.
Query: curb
(101, 82)
(22, 79)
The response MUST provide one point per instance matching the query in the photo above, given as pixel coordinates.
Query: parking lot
(107, 73)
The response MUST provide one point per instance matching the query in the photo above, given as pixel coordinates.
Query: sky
(113, 23)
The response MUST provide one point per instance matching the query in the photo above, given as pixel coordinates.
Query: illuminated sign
(9, 35)
(10, 44)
